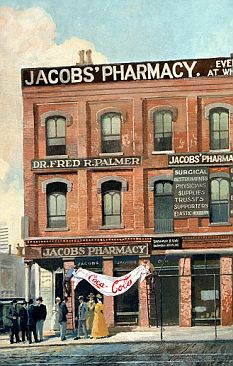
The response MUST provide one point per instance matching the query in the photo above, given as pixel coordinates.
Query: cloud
(27, 39)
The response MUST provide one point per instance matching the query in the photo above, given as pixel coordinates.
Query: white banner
(107, 285)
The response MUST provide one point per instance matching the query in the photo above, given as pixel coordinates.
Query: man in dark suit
(23, 316)
(13, 316)
(63, 311)
(81, 317)
(31, 323)
(41, 313)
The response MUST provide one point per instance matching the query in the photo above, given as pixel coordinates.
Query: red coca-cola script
(95, 281)
(121, 284)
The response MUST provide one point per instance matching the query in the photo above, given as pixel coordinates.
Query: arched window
(111, 203)
(219, 200)
(56, 205)
(163, 203)
(111, 132)
(55, 135)
(162, 130)
(219, 129)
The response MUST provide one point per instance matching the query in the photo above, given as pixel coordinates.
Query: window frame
(219, 201)
(111, 114)
(64, 146)
(219, 110)
(162, 113)
(54, 187)
(169, 221)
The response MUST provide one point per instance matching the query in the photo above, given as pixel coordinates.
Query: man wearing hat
(31, 321)
(91, 308)
(14, 325)
(82, 317)
(40, 315)
(23, 316)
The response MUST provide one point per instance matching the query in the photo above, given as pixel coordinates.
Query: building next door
(126, 306)
(164, 296)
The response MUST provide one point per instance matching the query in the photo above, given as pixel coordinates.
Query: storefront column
(70, 304)
(185, 293)
(108, 300)
(27, 270)
(143, 297)
(226, 290)
(37, 280)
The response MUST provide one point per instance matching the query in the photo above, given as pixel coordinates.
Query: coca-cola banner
(107, 285)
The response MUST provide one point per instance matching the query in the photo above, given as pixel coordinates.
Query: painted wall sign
(166, 243)
(201, 159)
(95, 251)
(127, 72)
(191, 196)
(86, 163)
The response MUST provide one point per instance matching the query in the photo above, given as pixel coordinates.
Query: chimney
(89, 59)
(81, 57)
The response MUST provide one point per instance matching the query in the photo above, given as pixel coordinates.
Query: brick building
(119, 171)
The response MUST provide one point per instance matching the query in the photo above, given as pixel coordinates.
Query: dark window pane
(163, 207)
(219, 129)
(162, 131)
(111, 132)
(56, 136)
(219, 205)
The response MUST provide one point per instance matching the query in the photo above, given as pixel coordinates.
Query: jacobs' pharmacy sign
(127, 72)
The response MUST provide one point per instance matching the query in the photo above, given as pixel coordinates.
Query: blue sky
(135, 30)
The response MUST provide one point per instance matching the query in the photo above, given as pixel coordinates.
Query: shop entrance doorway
(126, 306)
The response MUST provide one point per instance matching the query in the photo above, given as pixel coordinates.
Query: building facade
(123, 171)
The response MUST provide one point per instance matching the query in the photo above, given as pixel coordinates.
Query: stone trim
(56, 180)
(151, 183)
(67, 116)
(124, 183)
(111, 110)
(211, 106)
(161, 108)
(219, 175)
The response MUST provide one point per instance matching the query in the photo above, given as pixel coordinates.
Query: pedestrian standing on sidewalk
(63, 311)
(31, 321)
(55, 315)
(23, 316)
(91, 308)
(81, 317)
(99, 329)
(13, 316)
(41, 313)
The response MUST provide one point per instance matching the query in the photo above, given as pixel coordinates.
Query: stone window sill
(163, 152)
(57, 157)
(220, 224)
(56, 229)
(111, 227)
(112, 154)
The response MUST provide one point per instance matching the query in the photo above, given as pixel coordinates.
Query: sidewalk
(137, 335)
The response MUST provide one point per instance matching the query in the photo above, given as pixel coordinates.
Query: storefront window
(205, 289)
(164, 287)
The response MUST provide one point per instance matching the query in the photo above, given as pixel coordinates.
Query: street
(129, 354)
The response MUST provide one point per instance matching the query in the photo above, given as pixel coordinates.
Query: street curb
(115, 342)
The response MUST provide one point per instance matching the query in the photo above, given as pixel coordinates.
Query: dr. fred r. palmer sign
(127, 72)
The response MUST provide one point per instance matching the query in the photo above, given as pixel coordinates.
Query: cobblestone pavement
(122, 354)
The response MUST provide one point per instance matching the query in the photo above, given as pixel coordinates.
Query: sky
(50, 33)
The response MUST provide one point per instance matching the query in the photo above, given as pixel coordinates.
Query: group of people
(89, 317)
(28, 319)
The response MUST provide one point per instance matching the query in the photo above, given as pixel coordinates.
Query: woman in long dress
(55, 315)
(91, 308)
(99, 328)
